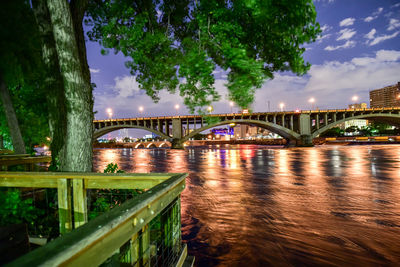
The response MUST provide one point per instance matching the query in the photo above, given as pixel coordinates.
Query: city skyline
(358, 51)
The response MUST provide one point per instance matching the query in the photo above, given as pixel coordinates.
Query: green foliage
(21, 66)
(179, 44)
(14, 209)
(333, 132)
(113, 168)
(104, 200)
(212, 120)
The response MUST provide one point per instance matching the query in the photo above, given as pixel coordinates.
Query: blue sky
(359, 50)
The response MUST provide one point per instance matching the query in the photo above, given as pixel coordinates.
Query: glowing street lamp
(231, 104)
(177, 108)
(109, 112)
(354, 98)
(312, 101)
(141, 109)
(281, 105)
(210, 108)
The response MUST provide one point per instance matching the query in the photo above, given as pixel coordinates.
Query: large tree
(178, 44)
(170, 45)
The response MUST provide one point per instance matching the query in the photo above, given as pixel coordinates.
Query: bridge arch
(151, 145)
(163, 145)
(139, 145)
(393, 119)
(108, 129)
(275, 128)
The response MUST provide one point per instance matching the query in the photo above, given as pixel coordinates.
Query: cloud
(371, 34)
(346, 34)
(369, 18)
(323, 37)
(326, 28)
(382, 38)
(393, 24)
(395, 5)
(374, 15)
(126, 86)
(94, 70)
(347, 22)
(348, 44)
(332, 83)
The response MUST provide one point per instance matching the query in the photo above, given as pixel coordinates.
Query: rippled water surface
(259, 206)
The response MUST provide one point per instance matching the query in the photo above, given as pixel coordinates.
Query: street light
(141, 109)
(210, 108)
(176, 107)
(354, 98)
(312, 101)
(281, 105)
(231, 104)
(109, 112)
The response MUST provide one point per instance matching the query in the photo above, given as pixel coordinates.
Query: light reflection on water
(256, 206)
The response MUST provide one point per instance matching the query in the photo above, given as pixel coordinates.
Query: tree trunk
(18, 142)
(53, 82)
(78, 91)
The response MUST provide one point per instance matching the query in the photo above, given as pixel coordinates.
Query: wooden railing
(123, 231)
(25, 160)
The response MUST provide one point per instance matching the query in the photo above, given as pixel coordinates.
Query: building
(386, 97)
(358, 105)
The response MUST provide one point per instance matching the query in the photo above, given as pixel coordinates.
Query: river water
(248, 205)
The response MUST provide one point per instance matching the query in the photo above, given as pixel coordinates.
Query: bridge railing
(143, 231)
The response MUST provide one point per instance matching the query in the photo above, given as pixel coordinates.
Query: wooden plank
(73, 175)
(135, 250)
(145, 246)
(64, 205)
(26, 160)
(127, 183)
(28, 182)
(80, 202)
(92, 243)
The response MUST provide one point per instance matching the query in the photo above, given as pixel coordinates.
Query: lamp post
(231, 104)
(281, 105)
(141, 110)
(312, 101)
(210, 108)
(177, 108)
(354, 98)
(110, 113)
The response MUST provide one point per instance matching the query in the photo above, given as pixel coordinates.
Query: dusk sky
(359, 50)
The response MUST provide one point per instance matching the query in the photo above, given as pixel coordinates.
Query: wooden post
(145, 246)
(135, 250)
(80, 202)
(64, 205)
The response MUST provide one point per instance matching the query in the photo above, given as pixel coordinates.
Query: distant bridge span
(298, 128)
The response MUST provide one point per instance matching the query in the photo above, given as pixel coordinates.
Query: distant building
(386, 97)
(358, 105)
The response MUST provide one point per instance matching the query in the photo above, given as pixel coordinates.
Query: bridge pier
(305, 130)
(177, 143)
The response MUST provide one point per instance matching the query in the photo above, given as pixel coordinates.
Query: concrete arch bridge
(298, 128)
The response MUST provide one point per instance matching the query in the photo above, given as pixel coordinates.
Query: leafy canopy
(21, 68)
(178, 44)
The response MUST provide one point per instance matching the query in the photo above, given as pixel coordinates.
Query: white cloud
(382, 38)
(126, 86)
(396, 5)
(374, 15)
(346, 34)
(369, 18)
(347, 22)
(94, 70)
(371, 34)
(323, 37)
(393, 24)
(326, 28)
(348, 44)
(332, 83)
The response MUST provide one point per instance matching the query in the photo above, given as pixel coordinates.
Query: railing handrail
(94, 242)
